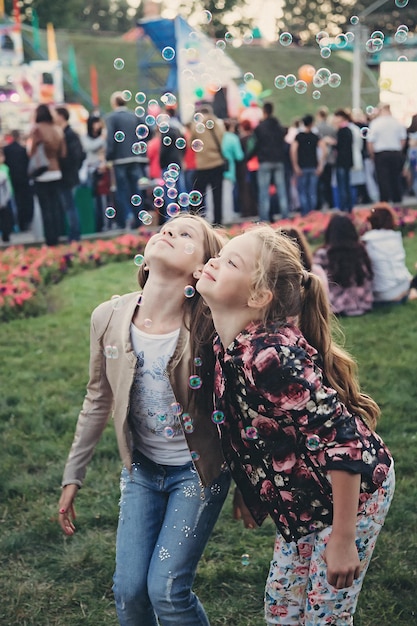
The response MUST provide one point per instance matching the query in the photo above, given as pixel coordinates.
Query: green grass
(47, 579)
(264, 63)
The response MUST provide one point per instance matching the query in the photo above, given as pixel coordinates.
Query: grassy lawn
(49, 580)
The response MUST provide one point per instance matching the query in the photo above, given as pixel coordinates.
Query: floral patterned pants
(297, 592)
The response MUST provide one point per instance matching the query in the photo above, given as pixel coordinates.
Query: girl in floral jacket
(296, 431)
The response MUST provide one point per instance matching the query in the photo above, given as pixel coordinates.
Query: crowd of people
(253, 167)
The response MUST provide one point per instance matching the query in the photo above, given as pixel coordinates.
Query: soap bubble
(197, 145)
(172, 193)
(180, 143)
(364, 132)
(158, 191)
(206, 17)
(316, 94)
(210, 124)
(158, 203)
(194, 455)
(127, 95)
(173, 209)
(140, 97)
(354, 20)
(118, 64)
(110, 212)
(325, 52)
(374, 45)
(176, 408)
(139, 111)
(300, 86)
(189, 291)
(334, 80)
(139, 147)
(248, 76)
(402, 58)
(150, 120)
(139, 259)
(245, 559)
(198, 361)
(321, 36)
(142, 131)
(291, 80)
(195, 382)
(401, 3)
(168, 53)
(217, 417)
(167, 141)
(378, 34)
(147, 322)
(341, 41)
(195, 197)
(136, 200)
(145, 217)
(183, 199)
(285, 39)
(169, 432)
(119, 136)
(401, 35)
(220, 44)
(280, 81)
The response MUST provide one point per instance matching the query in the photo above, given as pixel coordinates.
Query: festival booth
(197, 69)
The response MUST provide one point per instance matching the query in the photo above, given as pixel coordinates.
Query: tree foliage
(216, 17)
(305, 18)
(87, 15)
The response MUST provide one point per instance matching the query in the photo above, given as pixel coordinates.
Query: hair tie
(306, 279)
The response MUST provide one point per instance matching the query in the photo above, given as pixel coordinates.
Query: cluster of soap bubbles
(323, 76)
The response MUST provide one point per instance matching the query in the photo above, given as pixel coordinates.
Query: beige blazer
(108, 393)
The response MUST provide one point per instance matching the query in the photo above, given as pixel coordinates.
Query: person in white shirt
(386, 141)
(384, 245)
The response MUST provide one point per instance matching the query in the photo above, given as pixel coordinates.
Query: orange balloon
(306, 73)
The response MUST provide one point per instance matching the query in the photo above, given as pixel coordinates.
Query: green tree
(89, 15)
(216, 17)
(305, 18)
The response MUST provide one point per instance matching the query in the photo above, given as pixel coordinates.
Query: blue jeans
(164, 525)
(265, 171)
(307, 190)
(127, 176)
(68, 202)
(343, 188)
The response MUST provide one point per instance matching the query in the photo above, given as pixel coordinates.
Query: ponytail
(340, 370)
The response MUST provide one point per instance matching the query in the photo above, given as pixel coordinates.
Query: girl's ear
(260, 300)
(198, 271)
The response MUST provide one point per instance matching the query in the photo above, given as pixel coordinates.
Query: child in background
(6, 193)
(296, 431)
(152, 363)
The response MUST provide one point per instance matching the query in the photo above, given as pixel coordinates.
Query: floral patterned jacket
(283, 428)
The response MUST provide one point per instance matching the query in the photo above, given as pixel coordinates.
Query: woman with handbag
(46, 136)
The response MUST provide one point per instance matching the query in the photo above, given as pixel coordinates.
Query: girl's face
(178, 246)
(226, 281)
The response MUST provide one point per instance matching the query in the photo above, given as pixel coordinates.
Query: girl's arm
(341, 555)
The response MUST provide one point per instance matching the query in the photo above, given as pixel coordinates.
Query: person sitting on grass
(348, 267)
(384, 245)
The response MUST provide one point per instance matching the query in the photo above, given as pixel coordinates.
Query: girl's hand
(343, 564)
(241, 511)
(66, 509)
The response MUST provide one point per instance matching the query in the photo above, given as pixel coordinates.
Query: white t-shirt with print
(153, 416)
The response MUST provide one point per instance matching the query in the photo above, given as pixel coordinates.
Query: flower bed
(25, 273)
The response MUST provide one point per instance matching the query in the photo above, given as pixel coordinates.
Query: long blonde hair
(299, 294)
(197, 316)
